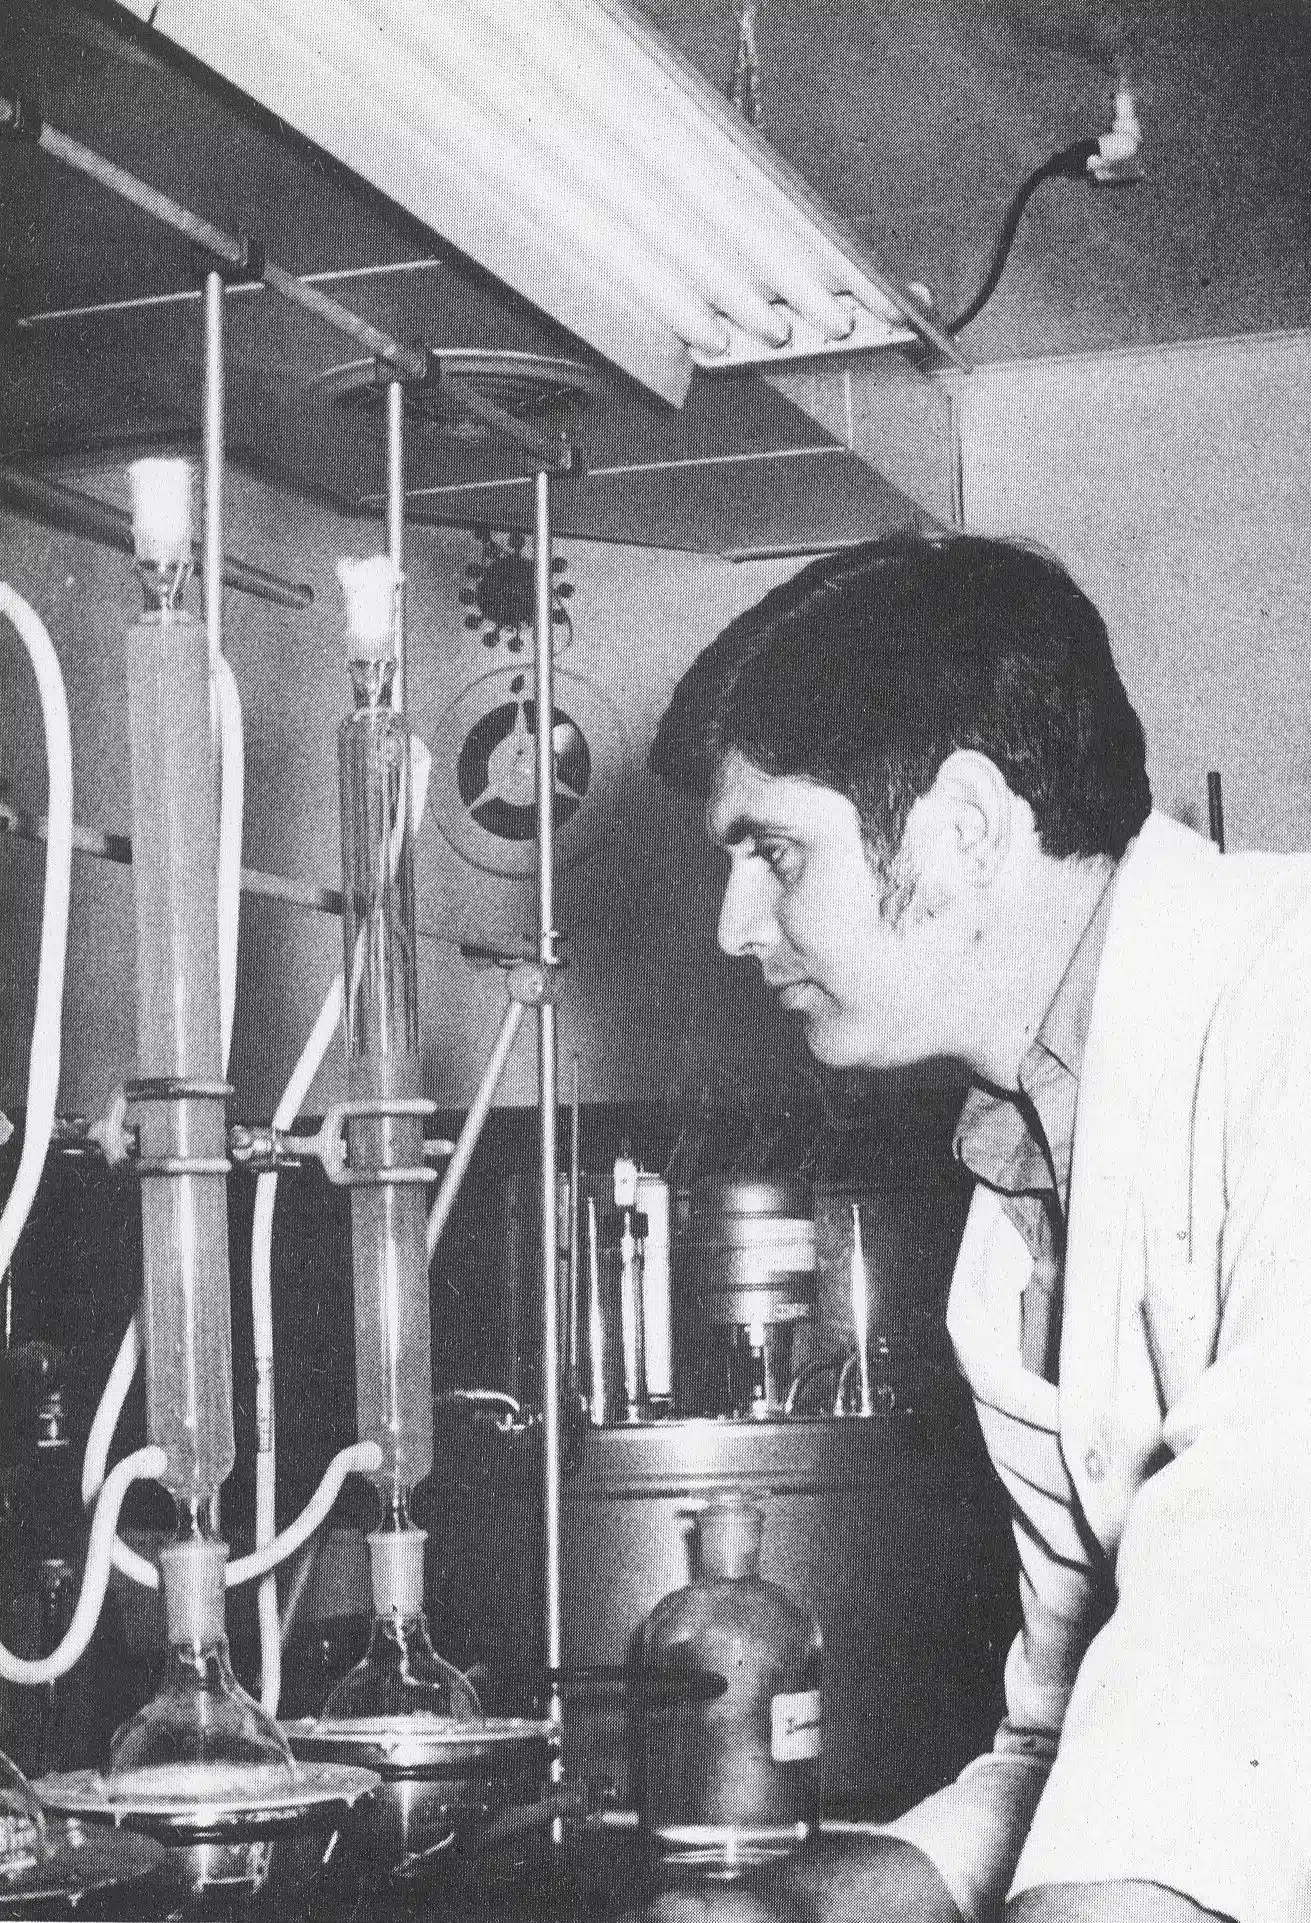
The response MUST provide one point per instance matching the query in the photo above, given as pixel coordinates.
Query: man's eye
(779, 856)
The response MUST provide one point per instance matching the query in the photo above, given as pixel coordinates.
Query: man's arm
(1107, 1903)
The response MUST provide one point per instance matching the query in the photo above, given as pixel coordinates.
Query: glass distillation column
(201, 1731)
(401, 1674)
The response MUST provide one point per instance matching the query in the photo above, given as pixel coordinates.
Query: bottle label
(795, 1726)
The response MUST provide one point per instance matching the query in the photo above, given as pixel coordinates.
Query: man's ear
(959, 833)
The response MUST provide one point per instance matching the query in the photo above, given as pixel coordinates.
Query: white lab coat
(1177, 1702)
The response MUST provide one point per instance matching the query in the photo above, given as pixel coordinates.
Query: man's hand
(839, 1879)
(1108, 1903)
(861, 1879)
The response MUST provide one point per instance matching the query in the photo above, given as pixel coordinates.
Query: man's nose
(746, 922)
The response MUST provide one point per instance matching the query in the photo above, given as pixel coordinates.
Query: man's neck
(1035, 924)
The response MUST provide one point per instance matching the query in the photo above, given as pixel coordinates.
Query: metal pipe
(479, 1108)
(212, 444)
(407, 362)
(396, 526)
(297, 894)
(547, 1089)
(69, 509)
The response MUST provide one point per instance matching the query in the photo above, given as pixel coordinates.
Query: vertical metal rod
(213, 454)
(548, 1097)
(573, 1301)
(1215, 808)
(396, 526)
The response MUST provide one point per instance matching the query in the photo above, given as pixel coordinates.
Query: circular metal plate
(414, 1743)
(82, 1864)
(184, 1803)
(531, 387)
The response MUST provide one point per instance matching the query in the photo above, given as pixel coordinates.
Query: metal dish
(420, 1745)
(446, 1786)
(181, 1805)
(83, 1867)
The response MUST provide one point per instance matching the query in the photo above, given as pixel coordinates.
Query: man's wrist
(1112, 1902)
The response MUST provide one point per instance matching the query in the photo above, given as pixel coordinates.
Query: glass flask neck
(371, 682)
(730, 1534)
(163, 583)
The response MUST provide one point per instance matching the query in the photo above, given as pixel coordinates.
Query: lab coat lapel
(1153, 964)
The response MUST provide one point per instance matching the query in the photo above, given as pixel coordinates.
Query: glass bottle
(731, 1781)
(401, 1673)
(23, 1845)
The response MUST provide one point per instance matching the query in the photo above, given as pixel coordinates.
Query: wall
(1173, 483)
(646, 1003)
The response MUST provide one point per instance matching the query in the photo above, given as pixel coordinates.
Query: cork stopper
(396, 1556)
(192, 1576)
(371, 588)
(730, 1530)
(161, 512)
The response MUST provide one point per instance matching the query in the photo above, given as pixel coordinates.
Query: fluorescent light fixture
(565, 147)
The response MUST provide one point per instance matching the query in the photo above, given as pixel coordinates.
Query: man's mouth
(794, 995)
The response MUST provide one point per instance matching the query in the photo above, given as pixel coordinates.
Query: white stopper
(161, 511)
(396, 1556)
(370, 588)
(192, 1576)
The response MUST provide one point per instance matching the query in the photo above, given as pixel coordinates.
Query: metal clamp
(20, 119)
(532, 983)
(246, 269)
(177, 1088)
(329, 1146)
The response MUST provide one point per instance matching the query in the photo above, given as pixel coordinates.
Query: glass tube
(393, 1365)
(179, 1045)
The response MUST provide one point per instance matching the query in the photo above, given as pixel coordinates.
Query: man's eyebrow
(744, 828)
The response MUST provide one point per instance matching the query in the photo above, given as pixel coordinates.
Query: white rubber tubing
(43, 1058)
(261, 1297)
(293, 1099)
(144, 1465)
(43, 1085)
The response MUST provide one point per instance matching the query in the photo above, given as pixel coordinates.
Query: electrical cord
(1071, 163)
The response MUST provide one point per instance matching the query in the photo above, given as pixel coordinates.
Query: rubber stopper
(161, 511)
(370, 588)
(396, 1556)
(192, 1575)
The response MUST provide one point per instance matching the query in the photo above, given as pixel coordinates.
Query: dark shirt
(1020, 1144)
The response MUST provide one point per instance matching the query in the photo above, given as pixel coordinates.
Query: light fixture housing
(567, 148)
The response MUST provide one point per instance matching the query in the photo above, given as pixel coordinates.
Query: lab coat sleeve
(1183, 1757)
(974, 1829)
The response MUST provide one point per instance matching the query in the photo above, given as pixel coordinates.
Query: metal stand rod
(396, 526)
(213, 452)
(474, 1121)
(77, 513)
(548, 1093)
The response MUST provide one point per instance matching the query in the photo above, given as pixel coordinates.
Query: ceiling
(914, 119)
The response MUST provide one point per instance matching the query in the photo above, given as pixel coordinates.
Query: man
(930, 785)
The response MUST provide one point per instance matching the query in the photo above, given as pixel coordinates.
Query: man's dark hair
(868, 668)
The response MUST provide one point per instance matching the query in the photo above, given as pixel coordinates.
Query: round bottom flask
(202, 1751)
(401, 1673)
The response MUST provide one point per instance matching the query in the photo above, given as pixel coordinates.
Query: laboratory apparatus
(385, 1105)
(752, 1248)
(201, 1765)
(733, 1781)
